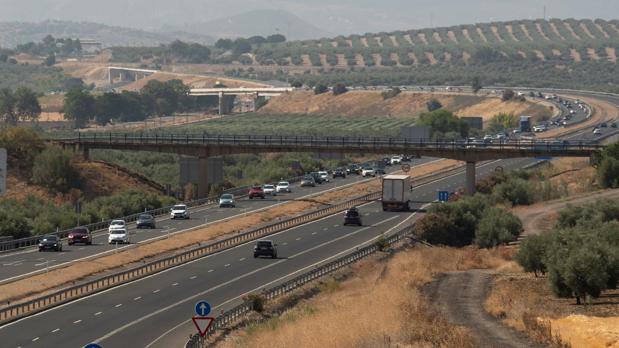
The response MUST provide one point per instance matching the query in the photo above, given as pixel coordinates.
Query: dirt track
(462, 296)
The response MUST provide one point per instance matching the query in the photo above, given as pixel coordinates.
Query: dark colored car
(80, 235)
(339, 172)
(387, 161)
(265, 248)
(380, 171)
(146, 220)
(50, 243)
(352, 217)
(353, 169)
(603, 125)
(613, 125)
(317, 177)
(308, 180)
(256, 191)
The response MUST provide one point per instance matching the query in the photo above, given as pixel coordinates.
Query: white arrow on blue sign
(203, 308)
(443, 196)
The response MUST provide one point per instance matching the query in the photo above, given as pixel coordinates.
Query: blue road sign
(443, 196)
(203, 308)
(92, 345)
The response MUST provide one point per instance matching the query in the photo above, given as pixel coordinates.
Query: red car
(80, 235)
(256, 191)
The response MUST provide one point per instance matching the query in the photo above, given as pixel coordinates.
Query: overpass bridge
(254, 92)
(205, 146)
(124, 73)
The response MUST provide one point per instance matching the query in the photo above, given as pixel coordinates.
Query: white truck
(397, 192)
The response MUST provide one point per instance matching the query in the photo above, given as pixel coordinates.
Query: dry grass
(380, 305)
(371, 103)
(527, 304)
(45, 283)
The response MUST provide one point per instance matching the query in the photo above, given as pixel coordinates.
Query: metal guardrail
(234, 314)
(94, 140)
(16, 311)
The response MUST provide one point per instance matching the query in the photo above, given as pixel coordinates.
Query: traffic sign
(443, 196)
(2, 171)
(406, 168)
(202, 324)
(203, 308)
(92, 345)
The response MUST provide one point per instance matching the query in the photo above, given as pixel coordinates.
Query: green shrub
(496, 227)
(53, 169)
(532, 253)
(515, 191)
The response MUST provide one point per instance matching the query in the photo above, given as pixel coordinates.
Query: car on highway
(597, 131)
(265, 248)
(179, 211)
(613, 125)
(256, 191)
(339, 173)
(368, 171)
(80, 235)
(352, 217)
(387, 161)
(269, 190)
(146, 221)
(50, 242)
(227, 200)
(324, 175)
(603, 125)
(317, 177)
(396, 160)
(380, 171)
(353, 169)
(308, 180)
(117, 232)
(283, 186)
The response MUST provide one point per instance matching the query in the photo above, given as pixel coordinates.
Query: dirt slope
(97, 178)
(371, 103)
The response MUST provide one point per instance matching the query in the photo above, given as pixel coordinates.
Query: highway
(20, 263)
(155, 311)
(138, 313)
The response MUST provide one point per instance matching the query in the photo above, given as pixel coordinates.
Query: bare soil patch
(571, 30)
(378, 59)
(481, 34)
(539, 55)
(408, 38)
(541, 31)
(437, 37)
(592, 54)
(465, 33)
(394, 57)
(360, 60)
(556, 31)
(431, 58)
(495, 32)
(575, 55)
(601, 29)
(556, 52)
(611, 53)
(364, 42)
(379, 40)
(510, 31)
(413, 57)
(586, 30)
(422, 38)
(394, 41)
(466, 57)
(452, 36)
(526, 32)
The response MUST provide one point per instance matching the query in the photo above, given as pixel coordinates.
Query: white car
(396, 160)
(269, 190)
(117, 232)
(283, 186)
(179, 211)
(368, 172)
(597, 131)
(324, 176)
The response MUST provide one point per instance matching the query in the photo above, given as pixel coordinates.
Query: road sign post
(443, 196)
(201, 321)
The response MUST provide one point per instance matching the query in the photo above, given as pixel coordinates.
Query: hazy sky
(335, 16)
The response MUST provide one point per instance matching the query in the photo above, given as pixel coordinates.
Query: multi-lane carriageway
(155, 311)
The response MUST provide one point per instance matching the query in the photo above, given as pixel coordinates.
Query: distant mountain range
(15, 33)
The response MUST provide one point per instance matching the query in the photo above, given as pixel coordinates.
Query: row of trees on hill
(157, 98)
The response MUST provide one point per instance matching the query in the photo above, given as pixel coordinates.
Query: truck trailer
(397, 193)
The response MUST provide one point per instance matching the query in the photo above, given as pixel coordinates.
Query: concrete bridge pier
(83, 149)
(221, 103)
(202, 172)
(470, 178)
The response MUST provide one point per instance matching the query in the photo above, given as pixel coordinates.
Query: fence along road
(116, 316)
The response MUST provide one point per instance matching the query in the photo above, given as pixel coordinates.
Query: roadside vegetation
(54, 170)
(39, 78)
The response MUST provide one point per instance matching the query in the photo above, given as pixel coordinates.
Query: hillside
(561, 41)
(259, 22)
(370, 103)
(98, 179)
(15, 33)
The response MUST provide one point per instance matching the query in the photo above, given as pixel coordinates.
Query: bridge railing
(94, 139)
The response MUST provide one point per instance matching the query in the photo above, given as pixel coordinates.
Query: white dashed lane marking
(211, 270)
(35, 339)
(54, 331)
(118, 305)
(156, 291)
(193, 277)
(98, 313)
(137, 298)
(77, 321)
(175, 284)
(227, 265)
(242, 259)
